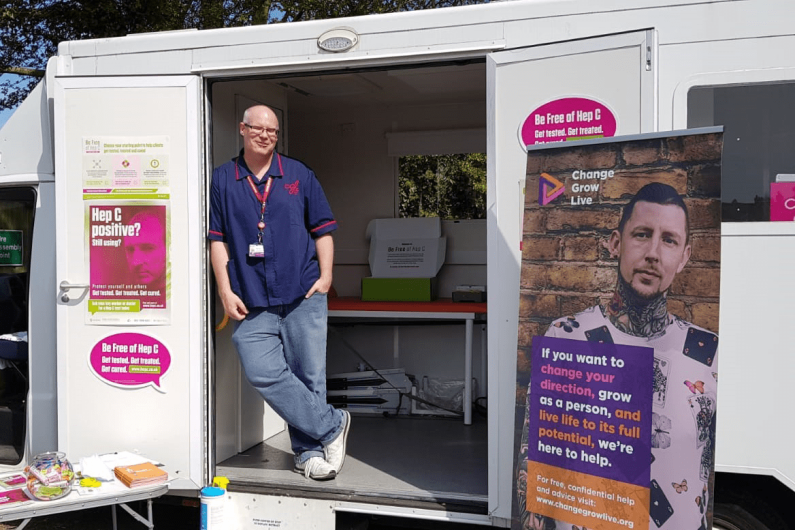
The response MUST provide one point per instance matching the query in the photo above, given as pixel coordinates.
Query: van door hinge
(648, 58)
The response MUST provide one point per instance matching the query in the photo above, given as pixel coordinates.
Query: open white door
(615, 74)
(131, 271)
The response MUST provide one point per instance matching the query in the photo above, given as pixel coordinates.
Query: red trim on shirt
(323, 226)
(217, 233)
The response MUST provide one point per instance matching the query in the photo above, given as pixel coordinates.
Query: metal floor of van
(431, 463)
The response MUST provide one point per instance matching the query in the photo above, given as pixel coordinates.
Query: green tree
(318, 9)
(446, 186)
(30, 30)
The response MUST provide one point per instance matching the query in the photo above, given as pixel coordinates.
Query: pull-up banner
(617, 351)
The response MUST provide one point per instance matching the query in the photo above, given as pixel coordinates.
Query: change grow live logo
(549, 189)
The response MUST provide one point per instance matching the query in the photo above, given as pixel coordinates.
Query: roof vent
(338, 40)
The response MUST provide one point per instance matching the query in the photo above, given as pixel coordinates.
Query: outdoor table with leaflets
(111, 494)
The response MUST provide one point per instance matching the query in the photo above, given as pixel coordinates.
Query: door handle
(65, 286)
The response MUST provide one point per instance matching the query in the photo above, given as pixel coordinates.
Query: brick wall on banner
(566, 266)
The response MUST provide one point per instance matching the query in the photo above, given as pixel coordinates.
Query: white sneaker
(335, 451)
(316, 468)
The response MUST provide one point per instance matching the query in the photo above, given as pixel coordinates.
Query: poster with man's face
(129, 263)
(618, 334)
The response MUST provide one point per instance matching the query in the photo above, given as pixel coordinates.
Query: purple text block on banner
(590, 408)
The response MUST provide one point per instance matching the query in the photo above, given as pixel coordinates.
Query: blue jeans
(283, 353)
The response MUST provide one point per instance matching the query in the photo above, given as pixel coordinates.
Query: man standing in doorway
(272, 254)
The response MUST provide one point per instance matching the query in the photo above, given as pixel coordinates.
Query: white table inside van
(114, 494)
(397, 312)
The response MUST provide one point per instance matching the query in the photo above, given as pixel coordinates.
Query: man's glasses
(256, 129)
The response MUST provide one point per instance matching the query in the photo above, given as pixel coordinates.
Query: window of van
(758, 140)
(444, 186)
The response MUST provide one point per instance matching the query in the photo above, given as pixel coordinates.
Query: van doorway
(17, 205)
(359, 131)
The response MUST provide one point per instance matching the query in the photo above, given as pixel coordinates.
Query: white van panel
(757, 356)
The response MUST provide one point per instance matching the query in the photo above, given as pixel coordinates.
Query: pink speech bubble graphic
(568, 119)
(130, 360)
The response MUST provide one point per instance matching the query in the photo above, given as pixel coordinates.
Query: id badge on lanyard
(256, 250)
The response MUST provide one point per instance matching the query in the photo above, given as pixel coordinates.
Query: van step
(474, 505)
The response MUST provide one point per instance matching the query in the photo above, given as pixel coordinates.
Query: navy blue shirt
(296, 213)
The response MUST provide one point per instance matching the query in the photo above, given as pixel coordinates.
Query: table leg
(147, 523)
(468, 374)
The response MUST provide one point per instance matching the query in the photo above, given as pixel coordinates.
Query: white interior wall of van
(347, 145)
(343, 137)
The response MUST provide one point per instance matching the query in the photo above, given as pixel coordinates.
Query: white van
(446, 81)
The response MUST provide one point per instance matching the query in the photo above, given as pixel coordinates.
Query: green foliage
(446, 186)
(30, 30)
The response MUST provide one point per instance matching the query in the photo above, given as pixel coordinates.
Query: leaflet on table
(12, 481)
(115, 165)
(100, 468)
(128, 253)
(10, 497)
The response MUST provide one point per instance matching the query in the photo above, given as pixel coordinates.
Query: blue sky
(4, 115)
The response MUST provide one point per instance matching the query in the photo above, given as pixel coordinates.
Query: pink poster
(128, 262)
(568, 119)
(782, 201)
(130, 360)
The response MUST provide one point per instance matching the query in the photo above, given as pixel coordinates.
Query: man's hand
(322, 285)
(234, 306)
(325, 258)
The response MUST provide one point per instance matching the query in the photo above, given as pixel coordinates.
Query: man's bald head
(260, 132)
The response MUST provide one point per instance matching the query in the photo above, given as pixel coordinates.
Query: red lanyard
(263, 198)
